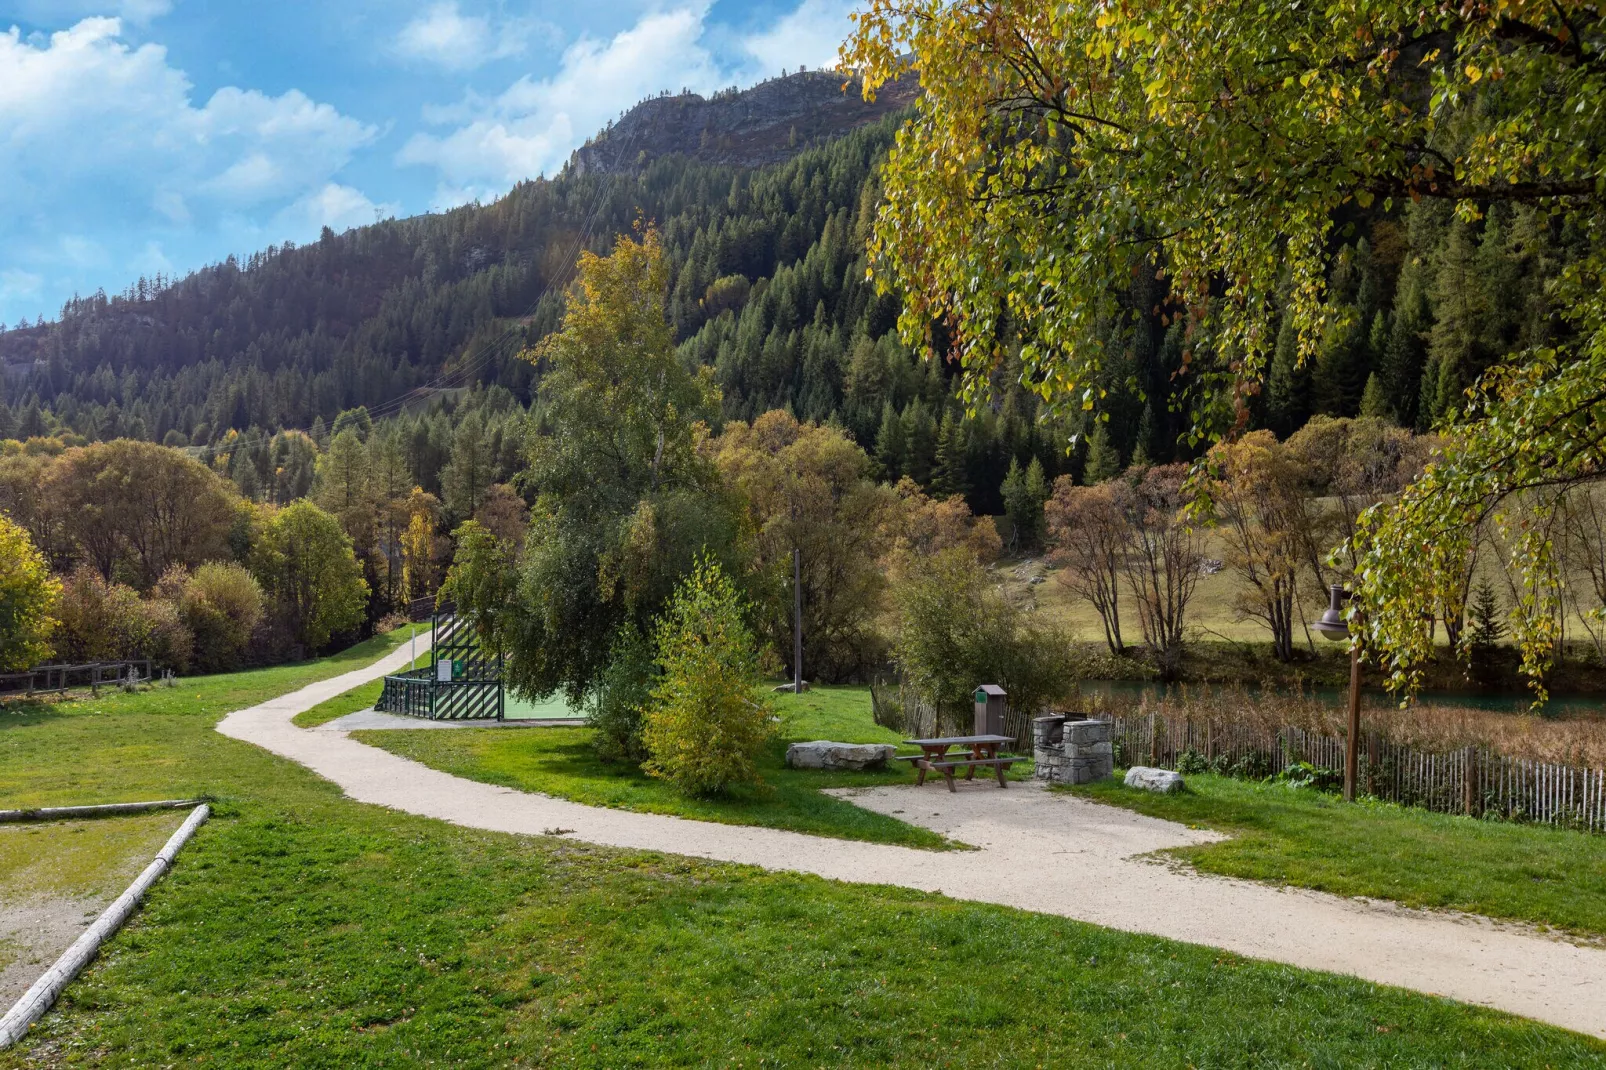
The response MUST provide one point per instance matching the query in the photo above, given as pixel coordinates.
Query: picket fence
(1469, 780)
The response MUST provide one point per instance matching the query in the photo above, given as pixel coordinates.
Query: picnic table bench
(983, 751)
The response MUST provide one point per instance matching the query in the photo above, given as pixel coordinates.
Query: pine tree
(1448, 389)
(1024, 492)
(920, 442)
(889, 444)
(1484, 632)
(32, 424)
(1034, 496)
(1287, 384)
(1461, 338)
(1141, 457)
(468, 473)
(1404, 353)
(1013, 492)
(1103, 462)
(1375, 402)
(952, 474)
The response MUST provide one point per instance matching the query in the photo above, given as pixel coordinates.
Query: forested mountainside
(764, 125)
(768, 287)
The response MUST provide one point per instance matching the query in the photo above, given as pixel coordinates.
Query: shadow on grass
(26, 712)
(561, 762)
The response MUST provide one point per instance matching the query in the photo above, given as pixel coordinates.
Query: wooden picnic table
(983, 751)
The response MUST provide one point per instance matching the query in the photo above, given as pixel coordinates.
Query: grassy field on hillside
(562, 762)
(300, 928)
(1531, 873)
(1224, 647)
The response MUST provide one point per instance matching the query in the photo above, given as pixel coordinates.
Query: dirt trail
(1038, 851)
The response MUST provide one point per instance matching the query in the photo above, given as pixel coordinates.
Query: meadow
(301, 928)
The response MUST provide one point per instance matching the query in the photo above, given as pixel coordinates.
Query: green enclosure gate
(463, 684)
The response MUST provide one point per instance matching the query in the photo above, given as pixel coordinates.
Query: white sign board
(443, 670)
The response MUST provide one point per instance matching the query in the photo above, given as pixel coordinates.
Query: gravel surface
(1036, 850)
(34, 933)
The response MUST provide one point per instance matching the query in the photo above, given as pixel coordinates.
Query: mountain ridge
(760, 126)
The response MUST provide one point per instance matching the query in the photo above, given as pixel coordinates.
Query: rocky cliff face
(763, 125)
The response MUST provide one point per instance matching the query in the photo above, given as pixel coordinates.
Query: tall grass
(1574, 739)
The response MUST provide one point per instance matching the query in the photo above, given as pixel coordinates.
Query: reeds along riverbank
(1574, 739)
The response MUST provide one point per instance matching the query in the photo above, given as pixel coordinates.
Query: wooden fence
(46, 679)
(1469, 780)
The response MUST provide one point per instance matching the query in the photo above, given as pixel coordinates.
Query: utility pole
(797, 621)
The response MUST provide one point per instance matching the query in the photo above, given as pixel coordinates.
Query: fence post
(1470, 781)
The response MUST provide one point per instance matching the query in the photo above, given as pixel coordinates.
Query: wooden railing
(44, 679)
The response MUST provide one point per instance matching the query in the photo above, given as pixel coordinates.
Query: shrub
(705, 725)
(220, 603)
(1306, 775)
(957, 630)
(619, 703)
(27, 597)
(391, 621)
(103, 621)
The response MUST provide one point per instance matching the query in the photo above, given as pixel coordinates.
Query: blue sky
(144, 136)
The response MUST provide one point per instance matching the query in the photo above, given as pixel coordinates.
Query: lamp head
(1331, 623)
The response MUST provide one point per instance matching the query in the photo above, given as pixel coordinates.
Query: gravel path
(1039, 851)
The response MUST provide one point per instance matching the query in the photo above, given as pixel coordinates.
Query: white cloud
(809, 35)
(334, 206)
(106, 134)
(83, 103)
(533, 126)
(445, 36)
(151, 260)
(16, 284)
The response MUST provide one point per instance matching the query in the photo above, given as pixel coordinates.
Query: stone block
(1163, 781)
(1086, 770)
(824, 754)
(1083, 733)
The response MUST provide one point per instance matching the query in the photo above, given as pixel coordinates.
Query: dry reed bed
(1572, 739)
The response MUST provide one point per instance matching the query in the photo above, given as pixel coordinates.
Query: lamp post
(797, 621)
(1333, 626)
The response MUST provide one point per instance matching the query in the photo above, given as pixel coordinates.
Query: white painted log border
(66, 813)
(38, 999)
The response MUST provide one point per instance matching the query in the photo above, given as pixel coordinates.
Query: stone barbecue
(1070, 750)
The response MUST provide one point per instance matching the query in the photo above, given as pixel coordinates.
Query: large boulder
(824, 754)
(1148, 778)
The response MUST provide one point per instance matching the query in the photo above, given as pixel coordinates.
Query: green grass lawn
(302, 929)
(359, 698)
(1550, 877)
(562, 762)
